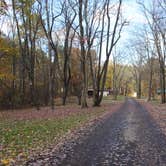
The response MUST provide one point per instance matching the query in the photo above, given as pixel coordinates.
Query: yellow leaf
(5, 162)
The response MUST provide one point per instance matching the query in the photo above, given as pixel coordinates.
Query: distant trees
(60, 48)
(143, 57)
(7, 75)
(27, 29)
(118, 72)
(39, 49)
(138, 67)
(119, 79)
(155, 16)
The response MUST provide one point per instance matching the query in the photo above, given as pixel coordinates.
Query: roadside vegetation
(30, 132)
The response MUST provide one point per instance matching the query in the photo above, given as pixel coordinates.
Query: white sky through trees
(130, 10)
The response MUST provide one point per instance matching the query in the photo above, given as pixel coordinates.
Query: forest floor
(29, 132)
(132, 135)
(158, 112)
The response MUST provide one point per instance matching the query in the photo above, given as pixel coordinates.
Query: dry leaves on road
(158, 112)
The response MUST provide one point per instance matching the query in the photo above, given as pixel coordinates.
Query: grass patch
(18, 139)
(121, 98)
(156, 101)
(109, 98)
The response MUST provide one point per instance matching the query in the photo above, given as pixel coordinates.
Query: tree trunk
(13, 82)
(52, 92)
(96, 102)
(83, 57)
(79, 99)
(101, 84)
(65, 92)
(150, 85)
(163, 98)
(126, 89)
(139, 87)
(65, 71)
(115, 93)
(84, 86)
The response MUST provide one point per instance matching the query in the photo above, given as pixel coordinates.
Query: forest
(52, 50)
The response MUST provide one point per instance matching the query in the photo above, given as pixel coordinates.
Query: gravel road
(128, 137)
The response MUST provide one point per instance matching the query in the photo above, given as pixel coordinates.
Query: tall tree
(68, 18)
(82, 9)
(48, 18)
(112, 37)
(117, 73)
(156, 20)
(27, 28)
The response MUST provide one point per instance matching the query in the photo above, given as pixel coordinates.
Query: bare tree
(138, 64)
(82, 9)
(21, 50)
(156, 20)
(94, 30)
(89, 21)
(27, 28)
(144, 56)
(150, 52)
(49, 27)
(69, 16)
(118, 73)
(112, 36)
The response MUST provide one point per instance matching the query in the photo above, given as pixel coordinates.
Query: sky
(131, 11)
(133, 14)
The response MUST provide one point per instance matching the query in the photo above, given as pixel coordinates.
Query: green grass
(110, 98)
(120, 98)
(155, 101)
(24, 137)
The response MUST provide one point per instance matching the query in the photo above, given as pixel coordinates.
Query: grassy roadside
(20, 138)
(107, 99)
(155, 102)
(158, 104)
(158, 112)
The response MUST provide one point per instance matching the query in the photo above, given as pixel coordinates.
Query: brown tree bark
(83, 57)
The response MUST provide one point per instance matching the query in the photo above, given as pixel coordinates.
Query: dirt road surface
(128, 137)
